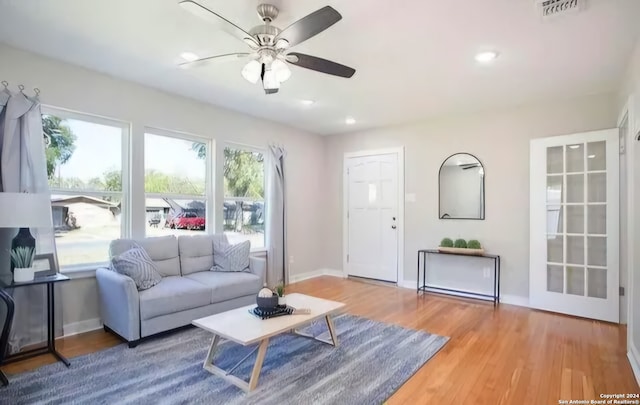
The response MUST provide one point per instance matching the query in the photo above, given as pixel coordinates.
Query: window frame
(220, 197)
(208, 196)
(124, 194)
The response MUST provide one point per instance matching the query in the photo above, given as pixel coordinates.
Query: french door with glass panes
(574, 216)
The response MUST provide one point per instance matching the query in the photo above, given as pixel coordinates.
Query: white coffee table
(239, 326)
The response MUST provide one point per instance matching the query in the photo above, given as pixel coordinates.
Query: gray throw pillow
(137, 264)
(228, 257)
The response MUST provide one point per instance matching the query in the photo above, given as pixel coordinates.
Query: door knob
(393, 227)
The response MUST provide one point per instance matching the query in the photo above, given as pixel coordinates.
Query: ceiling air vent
(553, 8)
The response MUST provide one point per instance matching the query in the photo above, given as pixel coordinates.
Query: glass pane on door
(597, 283)
(577, 219)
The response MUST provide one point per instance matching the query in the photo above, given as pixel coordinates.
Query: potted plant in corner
(22, 259)
(282, 300)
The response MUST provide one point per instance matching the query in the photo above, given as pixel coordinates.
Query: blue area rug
(371, 362)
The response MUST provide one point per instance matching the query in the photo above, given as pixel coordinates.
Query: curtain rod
(5, 84)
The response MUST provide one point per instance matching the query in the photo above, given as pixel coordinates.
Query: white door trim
(631, 143)
(539, 295)
(399, 151)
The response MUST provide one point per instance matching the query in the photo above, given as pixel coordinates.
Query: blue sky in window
(99, 149)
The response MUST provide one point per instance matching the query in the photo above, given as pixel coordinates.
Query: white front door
(372, 216)
(574, 214)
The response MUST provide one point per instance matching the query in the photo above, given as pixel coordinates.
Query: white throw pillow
(137, 264)
(228, 257)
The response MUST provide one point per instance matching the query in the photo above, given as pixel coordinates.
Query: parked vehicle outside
(187, 220)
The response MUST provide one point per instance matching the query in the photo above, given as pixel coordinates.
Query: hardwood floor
(508, 355)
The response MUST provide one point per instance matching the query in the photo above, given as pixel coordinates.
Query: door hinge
(347, 258)
(622, 291)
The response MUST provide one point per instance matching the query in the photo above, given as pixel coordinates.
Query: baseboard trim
(333, 273)
(515, 300)
(634, 360)
(317, 273)
(305, 276)
(76, 328)
(411, 285)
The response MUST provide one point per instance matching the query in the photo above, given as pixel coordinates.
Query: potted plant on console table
(460, 246)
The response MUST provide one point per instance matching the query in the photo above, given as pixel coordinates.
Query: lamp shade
(25, 210)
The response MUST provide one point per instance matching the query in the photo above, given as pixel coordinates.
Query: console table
(51, 338)
(422, 265)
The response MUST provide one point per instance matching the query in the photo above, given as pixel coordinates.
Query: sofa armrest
(119, 303)
(258, 267)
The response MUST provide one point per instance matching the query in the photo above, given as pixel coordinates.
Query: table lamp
(24, 211)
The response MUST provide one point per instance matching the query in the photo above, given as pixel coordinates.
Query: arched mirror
(461, 181)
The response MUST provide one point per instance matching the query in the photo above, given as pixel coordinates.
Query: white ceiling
(414, 59)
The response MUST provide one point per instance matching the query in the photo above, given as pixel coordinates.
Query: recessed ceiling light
(307, 102)
(591, 156)
(349, 120)
(486, 56)
(574, 146)
(189, 56)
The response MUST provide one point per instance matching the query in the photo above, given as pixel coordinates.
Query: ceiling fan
(269, 56)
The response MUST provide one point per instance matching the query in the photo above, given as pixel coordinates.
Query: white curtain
(23, 169)
(276, 219)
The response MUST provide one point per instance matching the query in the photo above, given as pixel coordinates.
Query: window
(243, 210)
(87, 198)
(175, 183)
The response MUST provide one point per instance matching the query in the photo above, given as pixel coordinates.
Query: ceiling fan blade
(320, 65)
(310, 25)
(211, 59)
(208, 15)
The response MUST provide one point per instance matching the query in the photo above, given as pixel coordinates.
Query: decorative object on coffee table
(282, 300)
(266, 299)
(22, 261)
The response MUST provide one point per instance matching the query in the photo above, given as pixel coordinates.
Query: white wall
(631, 87)
(75, 88)
(501, 141)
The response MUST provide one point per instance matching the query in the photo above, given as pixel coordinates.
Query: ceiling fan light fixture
(281, 70)
(189, 56)
(281, 44)
(486, 56)
(269, 80)
(251, 71)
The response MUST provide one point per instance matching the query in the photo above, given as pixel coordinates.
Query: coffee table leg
(212, 351)
(255, 374)
(332, 331)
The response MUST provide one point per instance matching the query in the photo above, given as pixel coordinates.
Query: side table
(50, 281)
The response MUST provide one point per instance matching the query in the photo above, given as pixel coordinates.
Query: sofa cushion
(136, 264)
(163, 251)
(173, 294)
(232, 257)
(196, 252)
(229, 285)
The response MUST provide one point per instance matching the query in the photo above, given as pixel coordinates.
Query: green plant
(446, 242)
(474, 244)
(22, 257)
(280, 290)
(460, 243)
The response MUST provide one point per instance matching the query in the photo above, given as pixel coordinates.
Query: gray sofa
(188, 290)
